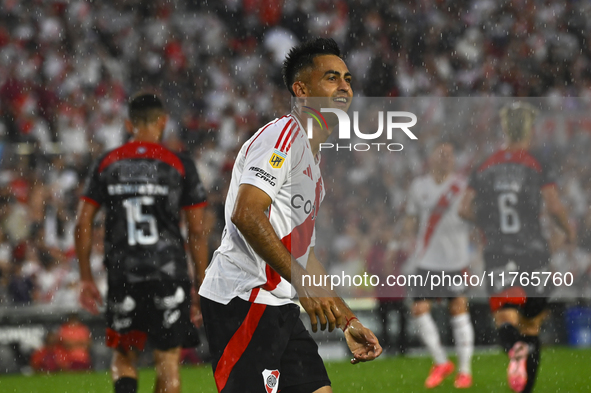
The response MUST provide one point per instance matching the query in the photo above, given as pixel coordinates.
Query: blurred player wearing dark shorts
(272, 339)
(442, 246)
(145, 190)
(504, 199)
(156, 312)
(531, 300)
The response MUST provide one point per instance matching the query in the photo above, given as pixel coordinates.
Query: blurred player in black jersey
(144, 187)
(504, 198)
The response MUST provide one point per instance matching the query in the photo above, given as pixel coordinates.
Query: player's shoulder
(276, 134)
(491, 160)
(183, 156)
(539, 157)
(527, 158)
(106, 158)
(134, 150)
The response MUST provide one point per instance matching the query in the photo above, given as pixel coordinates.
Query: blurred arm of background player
(321, 305)
(90, 296)
(466, 210)
(558, 212)
(198, 248)
(409, 229)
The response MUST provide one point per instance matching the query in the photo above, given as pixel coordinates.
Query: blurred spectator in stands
(585, 231)
(5, 265)
(51, 357)
(75, 338)
(51, 277)
(21, 285)
(16, 220)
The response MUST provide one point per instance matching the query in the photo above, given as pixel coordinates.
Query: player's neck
(319, 134)
(146, 134)
(440, 177)
(522, 145)
(319, 137)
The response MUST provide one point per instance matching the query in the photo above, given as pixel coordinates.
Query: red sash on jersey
(297, 243)
(442, 206)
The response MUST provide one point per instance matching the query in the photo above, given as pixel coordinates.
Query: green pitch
(562, 370)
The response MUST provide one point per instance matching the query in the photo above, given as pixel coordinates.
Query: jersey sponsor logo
(277, 159)
(271, 380)
(298, 241)
(507, 185)
(298, 202)
(142, 189)
(134, 170)
(266, 176)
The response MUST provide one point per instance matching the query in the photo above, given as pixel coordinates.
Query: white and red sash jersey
(442, 240)
(278, 160)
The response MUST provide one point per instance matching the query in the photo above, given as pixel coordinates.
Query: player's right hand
(362, 342)
(321, 307)
(90, 296)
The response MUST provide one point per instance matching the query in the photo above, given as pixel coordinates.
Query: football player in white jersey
(257, 340)
(442, 246)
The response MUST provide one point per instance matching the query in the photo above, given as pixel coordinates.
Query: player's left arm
(90, 297)
(558, 212)
(193, 201)
(197, 242)
(198, 249)
(361, 341)
(466, 209)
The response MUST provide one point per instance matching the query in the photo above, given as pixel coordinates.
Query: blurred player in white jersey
(256, 337)
(442, 246)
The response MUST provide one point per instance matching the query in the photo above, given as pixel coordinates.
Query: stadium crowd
(68, 67)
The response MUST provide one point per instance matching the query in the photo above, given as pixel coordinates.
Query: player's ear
(162, 120)
(299, 89)
(129, 126)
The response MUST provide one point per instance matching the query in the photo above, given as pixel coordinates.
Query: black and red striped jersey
(508, 201)
(143, 187)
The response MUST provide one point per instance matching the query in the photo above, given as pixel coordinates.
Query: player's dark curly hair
(145, 108)
(302, 56)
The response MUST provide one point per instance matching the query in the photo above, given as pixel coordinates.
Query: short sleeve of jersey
(549, 173)
(473, 180)
(264, 166)
(92, 186)
(193, 190)
(411, 200)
